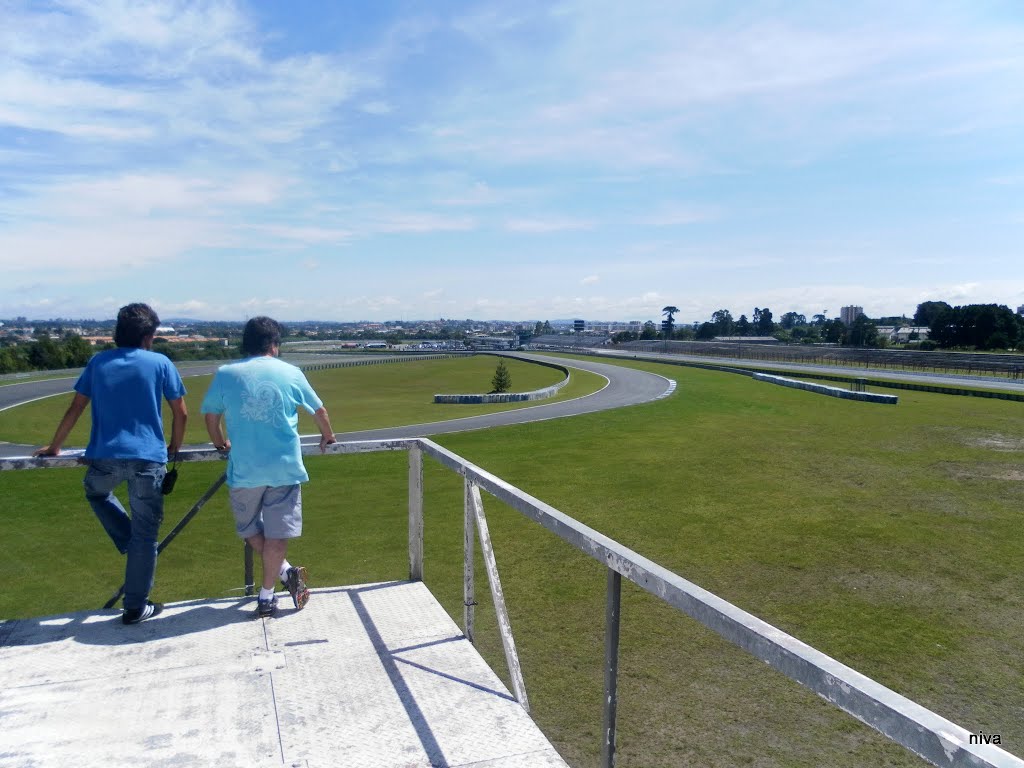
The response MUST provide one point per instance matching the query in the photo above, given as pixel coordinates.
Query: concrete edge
(821, 389)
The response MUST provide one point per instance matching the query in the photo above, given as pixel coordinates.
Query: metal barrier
(932, 737)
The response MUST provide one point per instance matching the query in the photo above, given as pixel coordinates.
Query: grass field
(888, 537)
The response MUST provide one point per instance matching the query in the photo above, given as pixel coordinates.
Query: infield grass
(357, 398)
(888, 537)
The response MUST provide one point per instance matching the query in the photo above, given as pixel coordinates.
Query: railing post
(250, 578)
(415, 513)
(469, 558)
(611, 666)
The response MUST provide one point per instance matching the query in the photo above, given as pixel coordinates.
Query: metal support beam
(250, 571)
(611, 666)
(177, 529)
(504, 626)
(415, 514)
(468, 565)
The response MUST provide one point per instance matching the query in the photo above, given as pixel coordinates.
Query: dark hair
(260, 334)
(134, 323)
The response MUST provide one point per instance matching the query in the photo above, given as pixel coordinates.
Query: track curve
(625, 387)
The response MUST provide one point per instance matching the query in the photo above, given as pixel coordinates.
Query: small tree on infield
(502, 381)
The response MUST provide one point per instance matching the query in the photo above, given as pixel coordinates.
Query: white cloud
(655, 86)
(546, 225)
(478, 194)
(677, 214)
(195, 72)
(145, 194)
(1008, 180)
(590, 280)
(420, 222)
(77, 228)
(377, 108)
(189, 308)
(70, 252)
(300, 236)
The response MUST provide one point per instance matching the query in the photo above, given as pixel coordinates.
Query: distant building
(849, 314)
(632, 326)
(911, 333)
(1020, 309)
(903, 334)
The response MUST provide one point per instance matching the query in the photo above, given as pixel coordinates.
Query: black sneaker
(138, 615)
(295, 583)
(265, 608)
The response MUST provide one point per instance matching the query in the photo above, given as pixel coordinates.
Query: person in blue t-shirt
(259, 398)
(126, 387)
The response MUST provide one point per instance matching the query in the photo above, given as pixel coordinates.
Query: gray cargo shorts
(274, 511)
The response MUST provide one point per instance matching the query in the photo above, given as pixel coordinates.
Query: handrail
(927, 734)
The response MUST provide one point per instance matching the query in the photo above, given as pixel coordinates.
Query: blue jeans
(134, 536)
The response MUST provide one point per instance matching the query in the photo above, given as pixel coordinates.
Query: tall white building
(849, 314)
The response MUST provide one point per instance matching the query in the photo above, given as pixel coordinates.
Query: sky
(509, 160)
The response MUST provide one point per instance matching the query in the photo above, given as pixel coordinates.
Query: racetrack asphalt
(624, 387)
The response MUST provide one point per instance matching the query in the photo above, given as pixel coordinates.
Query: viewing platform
(376, 675)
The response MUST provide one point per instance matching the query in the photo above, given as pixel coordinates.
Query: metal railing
(927, 734)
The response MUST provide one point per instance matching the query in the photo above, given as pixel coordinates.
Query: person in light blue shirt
(126, 387)
(258, 400)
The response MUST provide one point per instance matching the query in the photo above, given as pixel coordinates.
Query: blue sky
(509, 160)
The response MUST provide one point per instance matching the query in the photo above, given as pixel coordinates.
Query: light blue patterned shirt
(260, 397)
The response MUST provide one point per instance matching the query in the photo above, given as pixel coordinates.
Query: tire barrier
(510, 397)
(821, 389)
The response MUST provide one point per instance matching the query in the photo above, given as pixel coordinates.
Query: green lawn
(888, 537)
(358, 398)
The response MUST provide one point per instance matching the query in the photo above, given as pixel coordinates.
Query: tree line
(973, 326)
(72, 351)
(46, 354)
(982, 327)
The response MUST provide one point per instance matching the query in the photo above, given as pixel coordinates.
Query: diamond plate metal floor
(375, 675)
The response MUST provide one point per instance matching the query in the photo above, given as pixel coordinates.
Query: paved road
(624, 387)
(939, 379)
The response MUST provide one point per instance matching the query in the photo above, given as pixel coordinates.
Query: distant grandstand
(562, 340)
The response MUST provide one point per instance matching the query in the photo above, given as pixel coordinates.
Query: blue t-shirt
(125, 386)
(260, 397)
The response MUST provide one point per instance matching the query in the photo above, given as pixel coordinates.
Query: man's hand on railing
(47, 450)
(323, 421)
(224, 447)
